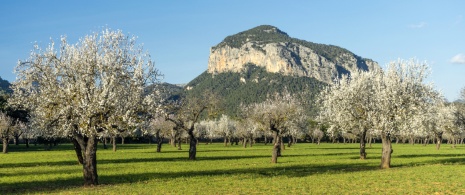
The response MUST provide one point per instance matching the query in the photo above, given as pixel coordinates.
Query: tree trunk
(276, 147)
(266, 141)
(89, 145)
(438, 140)
(387, 151)
(192, 145)
(78, 150)
(244, 142)
(289, 141)
(179, 143)
(159, 141)
(251, 141)
(122, 140)
(369, 141)
(282, 144)
(16, 137)
(113, 141)
(225, 141)
(5, 145)
(363, 154)
(27, 142)
(104, 142)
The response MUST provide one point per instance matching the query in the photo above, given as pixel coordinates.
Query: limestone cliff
(269, 47)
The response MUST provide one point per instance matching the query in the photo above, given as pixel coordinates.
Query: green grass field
(303, 169)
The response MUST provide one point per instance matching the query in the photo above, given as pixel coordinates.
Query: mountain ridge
(269, 47)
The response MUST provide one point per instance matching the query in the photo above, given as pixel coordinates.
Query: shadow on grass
(427, 155)
(76, 182)
(38, 164)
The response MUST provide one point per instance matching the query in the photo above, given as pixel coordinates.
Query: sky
(179, 34)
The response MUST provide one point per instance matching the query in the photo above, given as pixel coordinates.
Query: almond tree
(6, 125)
(186, 112)
(159, 128)
(401, 98)
(80, 90)
(226, 128)
(388, 103)
(348, 103)
(276, 114)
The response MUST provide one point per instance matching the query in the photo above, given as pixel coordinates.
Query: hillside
(251, 85)
(5, 85)
(269, 47)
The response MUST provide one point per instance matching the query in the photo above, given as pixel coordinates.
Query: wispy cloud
(419, 25)
(458, 59)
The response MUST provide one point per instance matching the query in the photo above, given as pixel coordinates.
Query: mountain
(253, 84)
(269, 47)
(5, 85)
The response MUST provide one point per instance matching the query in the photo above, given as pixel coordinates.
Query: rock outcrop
(269, 47)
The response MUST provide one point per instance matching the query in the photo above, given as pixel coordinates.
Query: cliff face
(268, 47)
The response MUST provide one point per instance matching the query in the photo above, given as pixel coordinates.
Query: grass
(303, 169)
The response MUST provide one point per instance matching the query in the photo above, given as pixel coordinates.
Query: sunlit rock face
(269, 47)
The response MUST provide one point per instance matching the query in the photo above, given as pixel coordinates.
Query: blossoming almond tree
(276, 114)
(348, 104)
(386, 102)
(80, 90)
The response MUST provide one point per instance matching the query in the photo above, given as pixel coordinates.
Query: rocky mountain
(269, 47)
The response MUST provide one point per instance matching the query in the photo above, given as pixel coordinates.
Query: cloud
(458, 59)
(419, 25)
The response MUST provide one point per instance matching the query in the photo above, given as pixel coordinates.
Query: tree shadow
(37, 164)
(426, 155)
(286, 171)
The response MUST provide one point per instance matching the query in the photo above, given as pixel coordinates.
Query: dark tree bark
(113, 142)
(387, 151)
(16, 137)
(78, 150)
(276, 147)
(179, 143)
(159, 140)
(89, 147)
(104, 142)
(363, 154)
(192, 144)
(27, 142)
(5, 145)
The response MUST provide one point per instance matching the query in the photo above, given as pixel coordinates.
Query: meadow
(304, 169)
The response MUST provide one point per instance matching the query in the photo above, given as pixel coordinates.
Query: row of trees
(389, 103)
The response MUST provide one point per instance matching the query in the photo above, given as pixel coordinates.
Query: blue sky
(179, 34)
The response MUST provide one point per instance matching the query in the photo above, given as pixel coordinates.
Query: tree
(6, 125)
(387, 103)
(348, 103)
(159, 128)
(226, 128)
(80, 90)
(186, 112)
(402, 97)
(275, 114)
